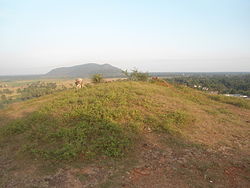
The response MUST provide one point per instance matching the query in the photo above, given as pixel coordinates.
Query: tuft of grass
(174, 120)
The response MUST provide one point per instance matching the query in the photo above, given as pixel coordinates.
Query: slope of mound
(85, 71)
(164, 130)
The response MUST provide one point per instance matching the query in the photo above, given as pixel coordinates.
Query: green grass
(85, 123)
(176, 119)
(63, 139)
(102, 120)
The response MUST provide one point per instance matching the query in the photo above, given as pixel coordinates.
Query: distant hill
(85, 71)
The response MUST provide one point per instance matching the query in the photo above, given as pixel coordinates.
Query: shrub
(135, 75)
(97, 78)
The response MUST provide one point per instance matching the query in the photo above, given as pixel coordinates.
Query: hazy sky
(152, 35)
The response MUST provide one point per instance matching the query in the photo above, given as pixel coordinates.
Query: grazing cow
(79, 83)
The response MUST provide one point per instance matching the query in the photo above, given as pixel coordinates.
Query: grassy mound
(104, 119)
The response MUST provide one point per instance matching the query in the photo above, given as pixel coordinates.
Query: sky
(150, 35)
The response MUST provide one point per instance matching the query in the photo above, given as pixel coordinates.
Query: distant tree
(37, 89)
(135, 75)
(97, 78)
(7, 91)
(233, 84)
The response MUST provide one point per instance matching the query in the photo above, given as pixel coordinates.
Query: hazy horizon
(153, 36)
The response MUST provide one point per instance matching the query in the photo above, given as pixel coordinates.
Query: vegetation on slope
(103, 119)
(118, 119)
(100, 120)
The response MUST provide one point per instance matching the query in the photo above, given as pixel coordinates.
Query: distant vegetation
(135, 75)
(32, 90)
(6, 91)
(97, 78)
(37, 89)
(233, 84)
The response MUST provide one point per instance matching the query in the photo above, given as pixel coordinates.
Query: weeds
(172, 121)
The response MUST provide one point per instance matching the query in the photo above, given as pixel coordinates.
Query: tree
(135, 75)
(97, 78)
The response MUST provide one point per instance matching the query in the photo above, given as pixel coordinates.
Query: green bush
(135, 75)
(97, 78)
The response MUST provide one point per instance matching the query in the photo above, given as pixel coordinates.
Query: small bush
(172, 121)
(97, 78)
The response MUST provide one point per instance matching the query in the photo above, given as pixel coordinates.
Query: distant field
(15, 90)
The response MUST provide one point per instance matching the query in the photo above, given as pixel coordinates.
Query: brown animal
(79, 83)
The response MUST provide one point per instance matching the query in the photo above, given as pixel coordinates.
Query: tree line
(232, 84)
